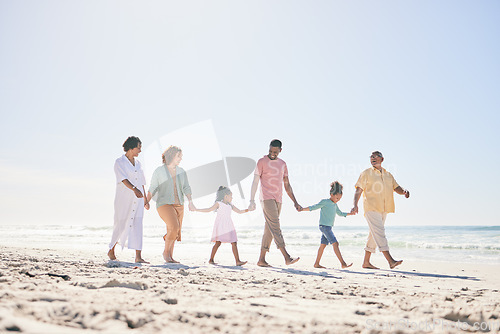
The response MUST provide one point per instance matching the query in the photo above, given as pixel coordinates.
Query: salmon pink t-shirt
(271, 174)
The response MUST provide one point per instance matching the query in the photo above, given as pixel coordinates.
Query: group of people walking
(169, 187)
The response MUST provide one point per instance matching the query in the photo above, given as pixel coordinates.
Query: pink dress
(223, 227)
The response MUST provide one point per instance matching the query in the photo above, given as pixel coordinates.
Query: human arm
(289, 191)
(186, 190)
(317, 206)
(210, 209)
(344, 214)
(402, 191)
(235, 209)
(122, 176)
(148, 197)
(255, 184)
(146, 203)
(357, 196)
(191, 204)
(129, 185)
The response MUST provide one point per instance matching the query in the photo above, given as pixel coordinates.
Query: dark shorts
(327, 236)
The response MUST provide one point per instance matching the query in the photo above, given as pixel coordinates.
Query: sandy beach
(55, 291)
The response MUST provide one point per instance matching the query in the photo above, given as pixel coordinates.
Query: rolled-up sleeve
(153, 186)
(186, 188)
(120, 171)
(362, 181)
(394, 183)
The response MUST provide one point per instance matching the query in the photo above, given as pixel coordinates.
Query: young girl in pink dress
(223, 227)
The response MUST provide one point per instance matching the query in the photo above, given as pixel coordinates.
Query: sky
(334, 80)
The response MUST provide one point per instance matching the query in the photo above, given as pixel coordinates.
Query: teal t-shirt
(328, 211)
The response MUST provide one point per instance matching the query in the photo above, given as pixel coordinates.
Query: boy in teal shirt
(329, 210)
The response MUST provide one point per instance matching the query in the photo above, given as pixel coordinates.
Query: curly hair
(336, 188)
(131, 143)
(169, 154)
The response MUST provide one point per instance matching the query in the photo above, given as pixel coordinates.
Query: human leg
(111, 253)
(136, 233)
(321, 249)
(336, 249)
(236, 254)
(392, 263)
(138, 257)
(214, 250)
(179, 210)
(376, 237)
(377, 229)
(366, 261)
(169, 215)
(267, 237)
(272, 211)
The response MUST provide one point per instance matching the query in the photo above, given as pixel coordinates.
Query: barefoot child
(329, 209)
(223, 227)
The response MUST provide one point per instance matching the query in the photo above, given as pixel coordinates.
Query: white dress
(129, 209)
(223, 227)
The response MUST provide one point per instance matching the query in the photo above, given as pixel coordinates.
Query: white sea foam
(438, 243)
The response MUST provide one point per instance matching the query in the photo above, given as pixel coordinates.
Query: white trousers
(376, 237)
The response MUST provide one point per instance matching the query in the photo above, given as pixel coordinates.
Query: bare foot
(395, 264)
(165, 256)
(263, 264)
(369, 266)
(345, 265)
(171, 260)
(141, 261)
(317, 265)
(292, 261)
(240, 263)
(111, 254)
(211, 261)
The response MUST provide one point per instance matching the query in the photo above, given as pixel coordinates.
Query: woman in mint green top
(169, 185)
(329, 210)
(162, 186)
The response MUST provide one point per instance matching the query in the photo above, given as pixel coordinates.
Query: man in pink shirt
(272, 174)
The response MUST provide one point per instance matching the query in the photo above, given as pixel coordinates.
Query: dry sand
(194, 297)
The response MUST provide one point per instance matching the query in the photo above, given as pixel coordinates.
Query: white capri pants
(376, 237)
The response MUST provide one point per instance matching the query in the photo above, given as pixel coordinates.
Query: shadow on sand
(304, 272)
(401, 273)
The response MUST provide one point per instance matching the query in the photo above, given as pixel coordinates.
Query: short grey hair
(377, 153)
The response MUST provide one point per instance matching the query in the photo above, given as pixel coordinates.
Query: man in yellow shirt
(377, 186)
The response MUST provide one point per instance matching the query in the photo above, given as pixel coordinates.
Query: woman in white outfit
(129, 200)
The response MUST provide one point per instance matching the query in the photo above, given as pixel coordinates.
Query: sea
(462, 244)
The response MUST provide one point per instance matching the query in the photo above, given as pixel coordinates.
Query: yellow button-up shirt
(378, 190)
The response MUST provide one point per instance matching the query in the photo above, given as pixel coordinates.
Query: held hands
(298, 207)
(146, 206)
(252, 206)
(354, 210)
(191, 206)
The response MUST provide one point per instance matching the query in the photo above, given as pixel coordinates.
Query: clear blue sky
(334, 80)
